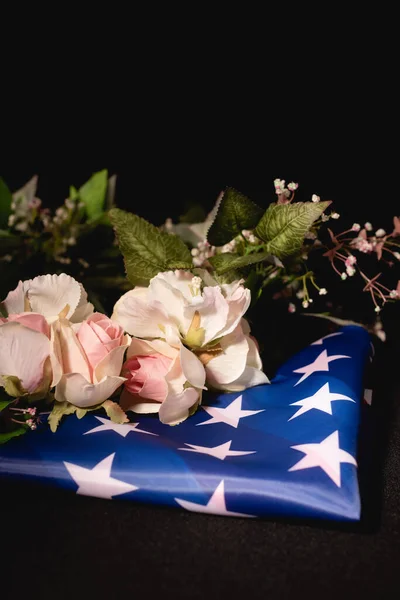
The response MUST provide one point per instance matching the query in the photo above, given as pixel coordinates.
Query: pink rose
(91, 360)
(99, 336)
(146, 376)
(161, 378)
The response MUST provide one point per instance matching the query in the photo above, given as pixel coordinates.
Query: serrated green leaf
(93, 194)
(4, 404)
(227, 261)
(5, 437)
(59, 410)
(235, 213)
(80, 412)
(115, 412)
(146, 249)
(5, 204)
(284, 226)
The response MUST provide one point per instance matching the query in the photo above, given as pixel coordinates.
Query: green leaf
(146, 249)
(13, 386)
(4, 404)
(73, 192)
(115, 412)
(5, 437)
(235, 213)
(93, 194)
(5, 204)
(59, 410)
(227, 261)
(284, 226)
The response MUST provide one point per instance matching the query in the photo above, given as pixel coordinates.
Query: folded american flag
(288, 448)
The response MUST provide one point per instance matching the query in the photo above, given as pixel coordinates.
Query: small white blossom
(300, 294)
(70, 204)
(378, 309)
(396, 255)
(195, 251)
(368, 226)
(305, 304)
(293, 186)
(323, 292)
(394, 294)
(343, 276)
(335, 215)
(356, 227)
(325, 218)
(350, 271)
(380, 233)
(315, 198)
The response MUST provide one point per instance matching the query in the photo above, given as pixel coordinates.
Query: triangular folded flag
(285, 449)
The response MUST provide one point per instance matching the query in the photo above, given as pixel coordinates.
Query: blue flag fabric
(285, 449)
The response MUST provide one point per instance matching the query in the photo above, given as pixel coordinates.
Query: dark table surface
(59, 545)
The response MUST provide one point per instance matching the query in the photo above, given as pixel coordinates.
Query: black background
(178, 136)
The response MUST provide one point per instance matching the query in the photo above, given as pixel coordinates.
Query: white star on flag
(98, 481)
(327, 455)
(216, 504)
(229, 415)
(321, 400)
(220, 452)
(120, 428)
(321, 363)
(326, 337)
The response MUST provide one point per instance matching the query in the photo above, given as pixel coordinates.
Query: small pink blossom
(292, 307)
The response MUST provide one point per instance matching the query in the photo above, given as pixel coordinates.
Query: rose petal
(168, 292)
(74, 388)
(14, 303)
(134, 403)
(84, 308)
(33, 321)
(111, 364)
(50, 294)
(91, 344)
(192, 368)
(71, 352)
(253, 357)
(138, 318)
(23, 352)
(145, 347)
(238, 298)
(229, 365)
(175, 408)
(213, 310)
(249, 378)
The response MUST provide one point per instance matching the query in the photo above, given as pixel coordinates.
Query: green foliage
(6, 436)
(283, 226)
(4, 404)
(5, 204)
(146, 249)
(13, 386)
(235, 213)
(59, 410)
(93, 194)
(227, 261)
(115, 412)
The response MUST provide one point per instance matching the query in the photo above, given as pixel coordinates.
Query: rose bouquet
(182, 326)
